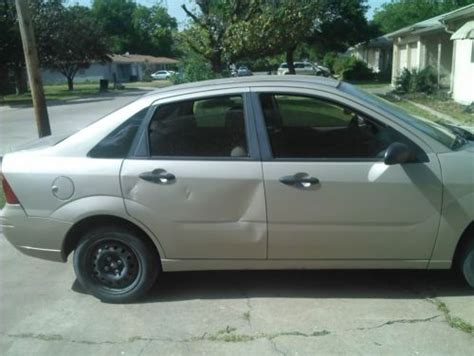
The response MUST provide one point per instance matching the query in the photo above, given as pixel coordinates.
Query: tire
(115, 264)
(466, 263)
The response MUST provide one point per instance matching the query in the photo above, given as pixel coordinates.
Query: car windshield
(446, 135)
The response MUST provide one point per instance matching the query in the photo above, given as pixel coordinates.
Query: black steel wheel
(116, 264)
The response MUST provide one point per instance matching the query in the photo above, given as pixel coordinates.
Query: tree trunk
(289, 61)
(20, 80)
(216, 62)
(70, 83)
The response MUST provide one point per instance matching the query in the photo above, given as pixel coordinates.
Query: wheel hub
(114, 264)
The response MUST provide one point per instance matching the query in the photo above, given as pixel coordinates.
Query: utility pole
(33, 67)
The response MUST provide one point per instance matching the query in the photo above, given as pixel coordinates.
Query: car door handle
(299, 179)
(158, 176)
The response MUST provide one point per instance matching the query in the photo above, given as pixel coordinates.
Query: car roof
(253, 81)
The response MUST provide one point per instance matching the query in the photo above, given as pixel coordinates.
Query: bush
(329, 59)
(147, 72)
(195, 69)
(351, 68)
(423, 81)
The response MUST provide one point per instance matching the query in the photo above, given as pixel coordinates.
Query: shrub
(414, 81)
(147, 72)
(195, 69)
(351, 68)
(329, 59)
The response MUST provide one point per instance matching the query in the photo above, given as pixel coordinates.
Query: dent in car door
(201, 207)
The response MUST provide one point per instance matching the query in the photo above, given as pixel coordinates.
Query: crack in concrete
(275, 347)
(401, 321)
(453, 321)
(226, 335)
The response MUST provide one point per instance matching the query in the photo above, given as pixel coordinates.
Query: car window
(308, 127)
(299, 65)
(117, 144)
(211, 127)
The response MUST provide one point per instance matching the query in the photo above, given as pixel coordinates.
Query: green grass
(55, 92)
(446, 106)
(152, 84)
(370, 84)
(412, 109)
(61, 92)
(301, 111)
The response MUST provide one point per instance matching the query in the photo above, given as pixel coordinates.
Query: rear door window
(210, 127)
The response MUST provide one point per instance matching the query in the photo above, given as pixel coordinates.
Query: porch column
(419, 54)
(395, 62)
(439, 63)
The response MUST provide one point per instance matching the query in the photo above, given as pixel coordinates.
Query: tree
(70, 39)
(116, 18)
(211, 23)
(11, 51)
(286, 25)
(397, 14)
(153, 31)
(135, 28)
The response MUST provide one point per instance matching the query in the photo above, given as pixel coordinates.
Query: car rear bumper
(33, 236)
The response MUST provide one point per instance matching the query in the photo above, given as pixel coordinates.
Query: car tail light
(9, 194)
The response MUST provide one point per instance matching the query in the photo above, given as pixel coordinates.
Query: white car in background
(162, 74)
(304, 68)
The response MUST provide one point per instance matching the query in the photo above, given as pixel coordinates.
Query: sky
(175, 10)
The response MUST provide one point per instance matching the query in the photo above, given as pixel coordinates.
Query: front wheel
(115, 264)
(467, 263)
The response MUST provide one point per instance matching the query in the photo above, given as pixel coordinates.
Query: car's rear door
(329, 194)
(196, 178)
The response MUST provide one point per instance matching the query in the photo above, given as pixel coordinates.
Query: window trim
(266, 149)
(141, 146)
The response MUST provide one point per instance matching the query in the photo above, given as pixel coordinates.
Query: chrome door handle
(158, 176)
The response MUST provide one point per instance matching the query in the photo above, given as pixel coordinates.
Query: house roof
(382, 41)
(466, 31)
(466, 11)
(433, 24)
(140, 58)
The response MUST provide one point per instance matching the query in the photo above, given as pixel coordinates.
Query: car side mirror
(397, 153)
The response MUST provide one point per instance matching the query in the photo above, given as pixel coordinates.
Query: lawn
(370, 84)
(61, 92)
(444, 105)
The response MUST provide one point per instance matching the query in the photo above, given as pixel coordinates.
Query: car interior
(329, 131)
(204, 128)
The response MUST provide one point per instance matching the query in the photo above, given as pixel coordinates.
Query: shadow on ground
(179, 286)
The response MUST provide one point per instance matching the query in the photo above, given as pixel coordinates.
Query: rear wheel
(115, 264)
(467, 263)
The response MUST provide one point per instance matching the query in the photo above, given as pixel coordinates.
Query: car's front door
(199, 187)
(330, 195)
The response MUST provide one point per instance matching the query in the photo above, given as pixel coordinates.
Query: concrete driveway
(44, 312)
(17, 124)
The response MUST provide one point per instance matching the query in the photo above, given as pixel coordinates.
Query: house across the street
(377, 53)
(122, 68)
